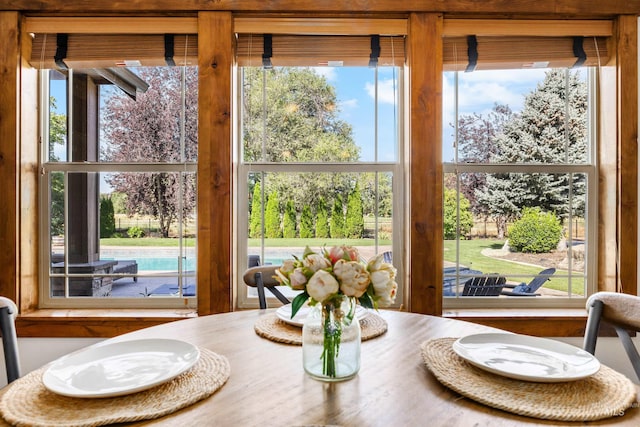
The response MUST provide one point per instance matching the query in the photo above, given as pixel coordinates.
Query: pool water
(165, 264)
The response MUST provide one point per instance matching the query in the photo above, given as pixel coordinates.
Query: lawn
(470, 255)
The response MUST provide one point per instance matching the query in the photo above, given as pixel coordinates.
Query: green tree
(107, 217)
(272, 217)
(322, 219)
(289, 220)
(306, 223)
(255, 223)
(337, 218)
(451, 215)
(119, 201)
(354, 219)
(57, 136)
(552, 129)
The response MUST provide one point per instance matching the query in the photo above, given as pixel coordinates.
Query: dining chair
(8, 313)
(622, 311)
(262, 277)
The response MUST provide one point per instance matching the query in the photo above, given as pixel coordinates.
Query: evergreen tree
(289, 220)
(451, 215)
(107, 218)
(549, 130)
(306, 223)
(337, 218)
(255, 223)
(354, 221)
(272, 217)
(322, 219)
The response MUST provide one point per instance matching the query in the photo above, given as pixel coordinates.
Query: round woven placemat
(605, 394)
(272, 328)
(28, 402)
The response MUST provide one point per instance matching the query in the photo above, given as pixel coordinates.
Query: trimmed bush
(451, 218)
(135, 232)
(306, 223)
(535, 232)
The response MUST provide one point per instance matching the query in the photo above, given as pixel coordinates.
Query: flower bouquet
(332, 281)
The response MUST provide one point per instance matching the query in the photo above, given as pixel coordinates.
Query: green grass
(471, 256)
(315, 243)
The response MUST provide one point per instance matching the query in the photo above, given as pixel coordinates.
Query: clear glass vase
(331, 341)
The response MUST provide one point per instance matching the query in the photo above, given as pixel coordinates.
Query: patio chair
(261, 277)
(620, 311)
(8, 313)
(529, 290)
(483, 286)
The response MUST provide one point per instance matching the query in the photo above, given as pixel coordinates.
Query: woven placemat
(272, 328)
(28, 402)
(605, 394)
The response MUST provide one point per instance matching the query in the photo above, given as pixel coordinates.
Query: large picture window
(319, 157)
(520, 187)
(119, 178)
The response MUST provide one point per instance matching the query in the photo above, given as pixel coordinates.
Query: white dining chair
(8, 313)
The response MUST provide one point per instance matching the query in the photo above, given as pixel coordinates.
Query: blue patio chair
(483, 286)
(530, 289)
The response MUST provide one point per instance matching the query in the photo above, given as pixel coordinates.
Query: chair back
(620, 311)
(8, 313)
(264, 277)
(483, 286)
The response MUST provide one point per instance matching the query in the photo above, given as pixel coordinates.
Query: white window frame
(589, 168)
(241, 190)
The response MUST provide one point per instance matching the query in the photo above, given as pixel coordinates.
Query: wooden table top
(268, 386)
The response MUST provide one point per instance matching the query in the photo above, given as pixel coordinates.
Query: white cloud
(349, 104)
(328, 72)
(386, 89)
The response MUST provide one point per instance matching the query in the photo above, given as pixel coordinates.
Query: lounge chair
(529, 290)
(483, 286)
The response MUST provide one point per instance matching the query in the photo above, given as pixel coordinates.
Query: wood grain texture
(627, 62)
(542, 7)
(215, 61)
(425, 163)
(268, 386)
(9, 125)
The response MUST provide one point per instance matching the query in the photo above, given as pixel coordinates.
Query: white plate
(119, 368)
(284, 314)
(527, 358)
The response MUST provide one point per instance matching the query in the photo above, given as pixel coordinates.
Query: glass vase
(331, 341)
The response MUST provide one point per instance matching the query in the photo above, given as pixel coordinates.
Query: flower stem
(332, 335)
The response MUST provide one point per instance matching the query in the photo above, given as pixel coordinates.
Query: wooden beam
(320, 26)
(538, 7)
(627, 66)
(111, 25)
(425, 163)
(215, 62)
(9, 158)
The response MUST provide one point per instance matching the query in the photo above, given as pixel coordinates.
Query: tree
(57, 135)
(272, 217)
(451, 215)
(255, 223)
(337, 218)
(477, 135)
(550, 130)
(289, 220)
(354, 218)
(306, 223)
(322, 219)
(150, 129)
(107, 217)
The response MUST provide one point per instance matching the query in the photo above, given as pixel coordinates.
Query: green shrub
(451, 218)
(135, 232)
(535, 232)
(107, 217)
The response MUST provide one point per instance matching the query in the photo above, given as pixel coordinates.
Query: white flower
(383, 279)
(288, 266)
(297, 279)
(322, 286)
(315, 262)
(353, 277)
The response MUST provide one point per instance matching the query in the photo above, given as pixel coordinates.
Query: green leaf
(298, 302)
(365, 301)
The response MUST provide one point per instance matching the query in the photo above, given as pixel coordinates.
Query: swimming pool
(164, 264)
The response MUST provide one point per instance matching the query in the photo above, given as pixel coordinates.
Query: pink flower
(348, 253)
(297, 279)
(315, 262)
(353, 277)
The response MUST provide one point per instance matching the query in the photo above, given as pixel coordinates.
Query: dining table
(267, 385)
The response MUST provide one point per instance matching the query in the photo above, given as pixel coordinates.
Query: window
(118, 183)
(520, 186)
(320, 151)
